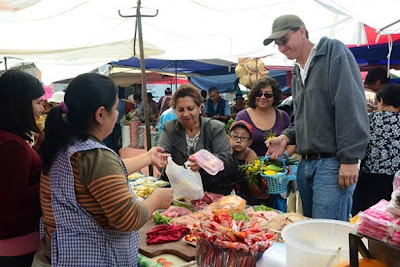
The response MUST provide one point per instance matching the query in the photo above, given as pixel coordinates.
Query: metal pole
(5, 63)
(144, 88)
(176, 75)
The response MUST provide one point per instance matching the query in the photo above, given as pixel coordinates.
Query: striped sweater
(101, 189)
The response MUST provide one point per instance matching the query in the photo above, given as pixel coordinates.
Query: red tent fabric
(383, 39)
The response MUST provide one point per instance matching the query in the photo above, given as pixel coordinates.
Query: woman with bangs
(20, 166)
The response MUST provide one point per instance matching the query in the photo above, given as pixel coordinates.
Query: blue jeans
(318, 182)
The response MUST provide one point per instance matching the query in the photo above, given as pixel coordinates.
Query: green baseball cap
(282, 25)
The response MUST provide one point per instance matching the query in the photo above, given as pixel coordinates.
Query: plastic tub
(208, 161)
(274, 256)
(317, 242)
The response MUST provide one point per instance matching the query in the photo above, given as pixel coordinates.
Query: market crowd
(68, 174)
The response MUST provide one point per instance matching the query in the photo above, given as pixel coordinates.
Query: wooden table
(378, 250)
(178, 248)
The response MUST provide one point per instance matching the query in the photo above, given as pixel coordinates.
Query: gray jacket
(213, 138)
(330, 114)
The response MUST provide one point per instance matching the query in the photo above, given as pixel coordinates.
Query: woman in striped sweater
(90, 214)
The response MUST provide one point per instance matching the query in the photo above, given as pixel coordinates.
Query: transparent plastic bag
(208, 161)
(185, 182)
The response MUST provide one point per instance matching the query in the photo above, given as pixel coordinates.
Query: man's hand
(276, 146)
(348, 175)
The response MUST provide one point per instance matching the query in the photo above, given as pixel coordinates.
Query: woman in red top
(20, 168)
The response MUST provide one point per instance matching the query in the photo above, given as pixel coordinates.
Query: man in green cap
(330, 128)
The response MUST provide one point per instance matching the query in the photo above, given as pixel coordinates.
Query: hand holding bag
(185, 182)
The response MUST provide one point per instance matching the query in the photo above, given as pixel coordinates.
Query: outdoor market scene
(199, 133)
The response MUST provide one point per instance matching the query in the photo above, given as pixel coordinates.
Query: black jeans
(370, 189)
(17, 261)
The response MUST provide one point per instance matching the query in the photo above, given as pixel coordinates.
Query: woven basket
(240, 70)
(254, 65)
(249, 79)
(277, 183)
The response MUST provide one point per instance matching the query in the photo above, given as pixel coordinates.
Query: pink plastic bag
(368, 232)
(208, 161)
(377, 217)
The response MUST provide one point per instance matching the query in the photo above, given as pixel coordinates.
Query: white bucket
(319, 243)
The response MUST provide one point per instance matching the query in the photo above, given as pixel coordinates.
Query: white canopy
(80, 34)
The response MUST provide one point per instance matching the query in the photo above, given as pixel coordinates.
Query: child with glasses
(240, 138)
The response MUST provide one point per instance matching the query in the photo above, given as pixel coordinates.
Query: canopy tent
(168, 80)
(383, 15)
(89, 32)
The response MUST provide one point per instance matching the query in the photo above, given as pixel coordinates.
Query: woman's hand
(193, 164)
(157, 157)
(161, 198)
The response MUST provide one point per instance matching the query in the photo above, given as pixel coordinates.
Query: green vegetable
(159, 219)
(280, 164)
(275, 168)
(263, 208)
(240, 217)
(228, 124)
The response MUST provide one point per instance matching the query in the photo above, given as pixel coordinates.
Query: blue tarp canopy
(229, 83)
(177, 66)
(222, 77)
(376, 55)
(225, 83)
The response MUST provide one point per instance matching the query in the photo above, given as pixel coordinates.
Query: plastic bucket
(318, 242)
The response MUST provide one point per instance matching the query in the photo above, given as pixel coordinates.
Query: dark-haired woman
(20, 167)
(90, 214)
(262, 114)
(192, 132)
(267, 121)
(382, 158)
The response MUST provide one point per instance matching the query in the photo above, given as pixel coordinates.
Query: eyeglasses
(265, 94)
(241, 138)
(283, 40)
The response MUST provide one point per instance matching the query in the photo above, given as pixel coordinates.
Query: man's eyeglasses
(283, 40)
(265, 94)
(241, 138)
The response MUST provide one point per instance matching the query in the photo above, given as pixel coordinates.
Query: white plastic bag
(125, 135)
(185, 182)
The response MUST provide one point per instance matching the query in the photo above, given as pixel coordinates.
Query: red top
(20, 168)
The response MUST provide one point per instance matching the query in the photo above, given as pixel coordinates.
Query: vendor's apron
(78, 240)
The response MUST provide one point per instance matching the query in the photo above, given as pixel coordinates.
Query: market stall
(219, 230)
